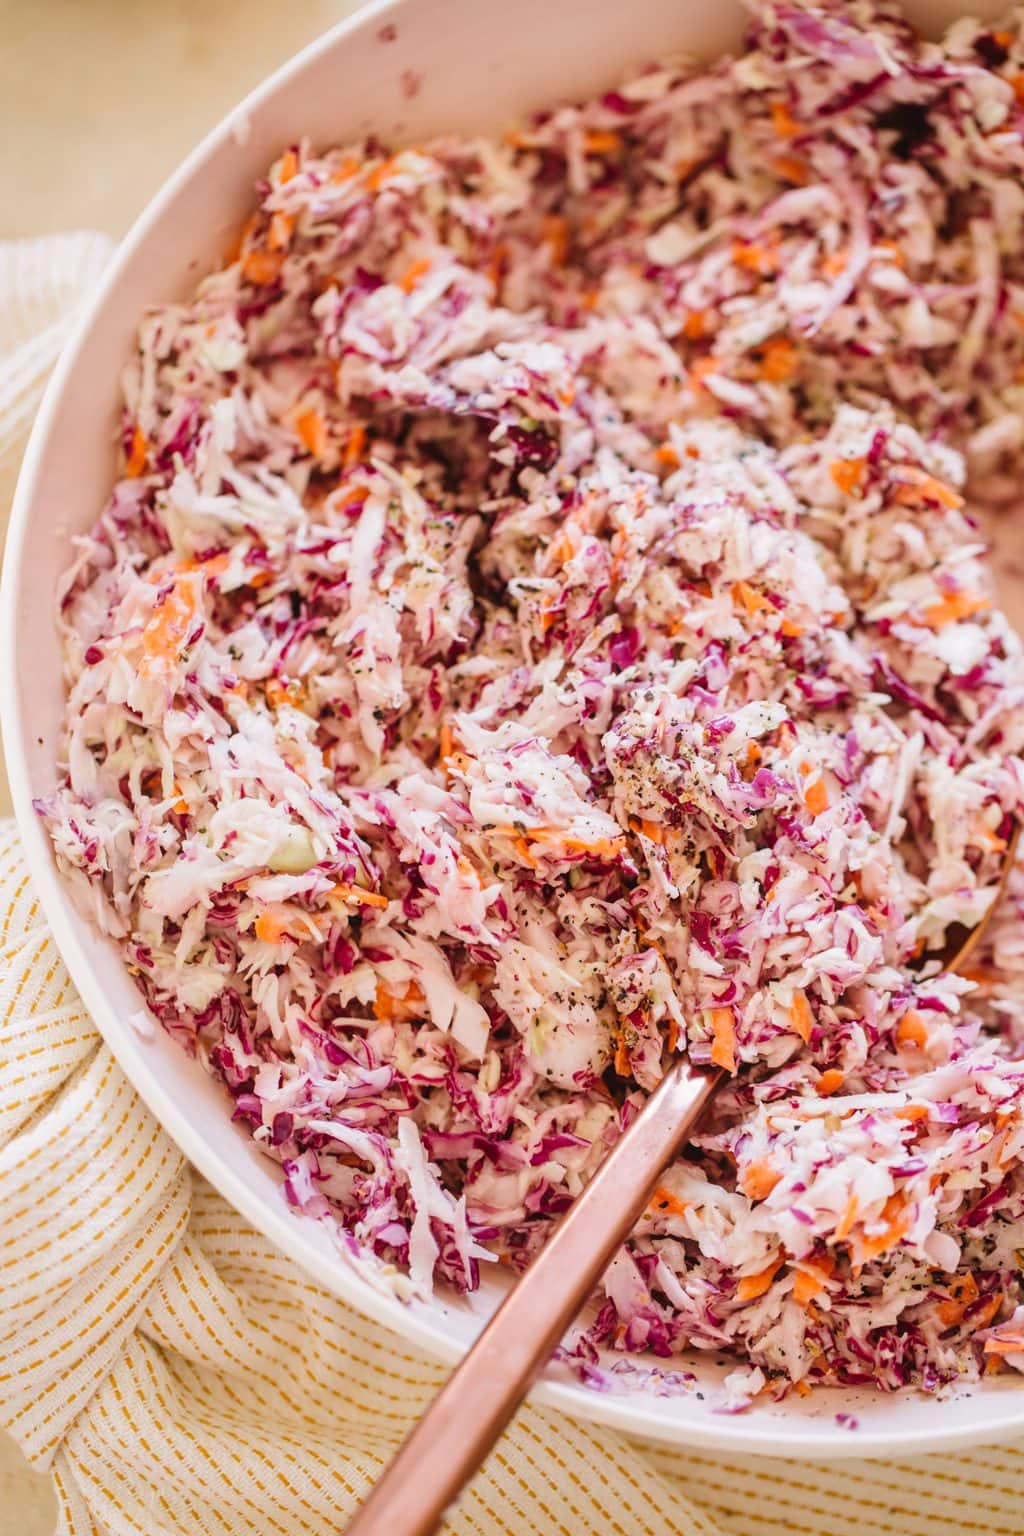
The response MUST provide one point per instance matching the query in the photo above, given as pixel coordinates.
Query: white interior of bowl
(479, 64)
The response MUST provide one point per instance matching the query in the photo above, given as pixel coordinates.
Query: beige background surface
(99, 101)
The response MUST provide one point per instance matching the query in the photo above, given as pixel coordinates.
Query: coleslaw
(538, 629)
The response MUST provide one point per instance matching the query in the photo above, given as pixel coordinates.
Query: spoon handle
(469, 1413)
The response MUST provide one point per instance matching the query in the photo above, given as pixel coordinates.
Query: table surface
(99, 101)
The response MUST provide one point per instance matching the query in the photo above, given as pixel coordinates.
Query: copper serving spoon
(469, 1413)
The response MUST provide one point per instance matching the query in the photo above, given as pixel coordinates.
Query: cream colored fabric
(181, 1378)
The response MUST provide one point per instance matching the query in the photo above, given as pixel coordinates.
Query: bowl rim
(634, 1414)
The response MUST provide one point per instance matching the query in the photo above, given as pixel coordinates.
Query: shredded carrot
(412, 274)
(783, 121)
(753, 601)
(751, 761)
(1017, 85)
(388, 1005)
(279, 693)
(381, 173)
(957, 606)
(698, 324)
(346, 170)
(829, 1082)
(802, 1388)
(963, 1293)
(987, 1311)
(496, 266)
(811, 1277)
(355, 448)
(601, 141)
(138, 455)
(702, 368)
(622, 1065)
(447, 741)
(652, 829)
(844, 1226)
(667, 1203)
(666, 454)
(167, 629)
(752, 1286)
(791, 630)
(272, 926)
(556, 237)
(312, 432)
(1005, 1344)
(723, 1038)
(778, 360)
(762, 260)
(672, 1038)
(848, 474)
(600, 847)
(262, 267)
(897, 1221)
(280, 231)
(792, 169)
(816, 797)
(912, 1112)
(800, 1016)
(289, 166)
(835, 263)
(911, 1029)
(918, 487)
(357, 894)
(759, 1179)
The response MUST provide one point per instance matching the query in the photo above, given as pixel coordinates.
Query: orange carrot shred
(357, 894)
(752, 1286)
(556, 236)
(412, 274)
(602, 141)
(778, 360)
(388, 1005)
(138, 455)
(800, 1016)
(698, 323)
(666, 454)
(783, 121)
(355, 448)
(665, 1202)
(911, 1029)
(289, 166)
(280, 231)
(759, 1179)
(312, 432)
(262, 267)
(848, 474)
(918, 487)
(723, 1038)
(345, 171)
(792, 169)
(829, 1082)
(810, 1278)
(752, 600)
(816, 797)
(954, 607)
(271, 928)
